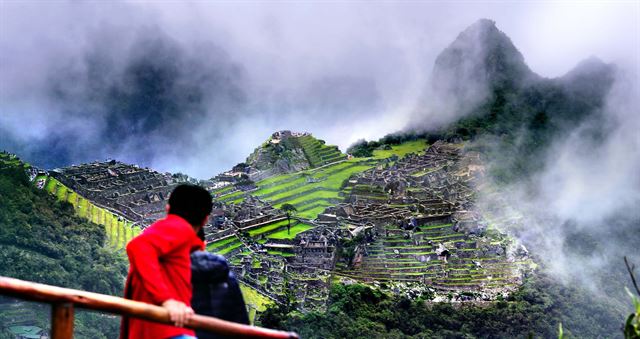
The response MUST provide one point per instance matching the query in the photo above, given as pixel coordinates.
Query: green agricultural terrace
(317, 152)
(255, 301)
(119, 230)
(312, 191)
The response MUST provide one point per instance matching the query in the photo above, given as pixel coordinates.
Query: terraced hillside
(119, 230)
(318, 153)
(275, 260)
(311, 191)
(423, 228)
(406, 212)
(287, 152)
(470, 264)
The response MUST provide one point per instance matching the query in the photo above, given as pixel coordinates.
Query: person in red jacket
(160, 264)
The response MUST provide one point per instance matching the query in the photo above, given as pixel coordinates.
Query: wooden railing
(64, 300)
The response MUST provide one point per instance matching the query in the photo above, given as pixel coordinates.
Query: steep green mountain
(288, 152)
(42, 240)
(482, 90)
(481, 58)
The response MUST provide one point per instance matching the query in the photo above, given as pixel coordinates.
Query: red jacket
(160, 269)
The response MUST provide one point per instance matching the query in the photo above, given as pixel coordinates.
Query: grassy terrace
(280, 253)
(221, 243)
(401, 150)
(311, 198)
(312, 191)
(295, 230)
(396, 258)
(318, 153)
(119, 230)
(269, 227)
(254, 300)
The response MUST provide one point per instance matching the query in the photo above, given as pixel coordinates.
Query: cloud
(579, 213)
(233, 73)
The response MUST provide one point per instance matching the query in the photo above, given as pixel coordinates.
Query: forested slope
(42, 240)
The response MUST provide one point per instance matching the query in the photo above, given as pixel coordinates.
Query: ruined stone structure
(426, 229)
(408, 221)
(413, 220)
(138, 194)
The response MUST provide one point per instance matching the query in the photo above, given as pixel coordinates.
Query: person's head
(192, 203)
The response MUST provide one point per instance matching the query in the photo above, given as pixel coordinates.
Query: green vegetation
(230, 248)
(632, 325)
(43, 240)
(357, 311)
(400, 150)
(398, 144)
(318, 187)
(256, 301)
(221, 243)
(317, 152)
(280, 253)
(119, 230)
(267, 228)
(286, 234)
(310, 192)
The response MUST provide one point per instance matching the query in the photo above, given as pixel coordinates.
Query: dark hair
(190, 202)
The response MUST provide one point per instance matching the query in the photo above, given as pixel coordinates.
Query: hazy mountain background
(193, 87)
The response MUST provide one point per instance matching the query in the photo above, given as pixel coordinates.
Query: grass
(222, 190)
(230, 248)
(280, 253)
(231, 196)
(332, 182)
(317, 152)
(313, 212)
(276, 180)
(312, 198)
(295, 230)
(255, 263)
(322, 194)
(220, 243)
(255, 301)
(118, 232)
(401, 150)
(269, 227)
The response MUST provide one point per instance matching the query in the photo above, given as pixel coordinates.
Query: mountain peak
(287, 152)
(589, 67)
(483, 25)
(590, 79)
(480, 57)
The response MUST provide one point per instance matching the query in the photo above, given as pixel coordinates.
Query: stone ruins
(137, 194)
(404, 224)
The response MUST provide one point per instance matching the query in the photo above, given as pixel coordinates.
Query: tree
(289, 210)
(632, 325)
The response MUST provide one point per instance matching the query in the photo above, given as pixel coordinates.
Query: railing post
(62, 321)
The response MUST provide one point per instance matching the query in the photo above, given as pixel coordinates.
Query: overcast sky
(75, 83)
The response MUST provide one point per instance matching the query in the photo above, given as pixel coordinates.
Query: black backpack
(216, 291)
